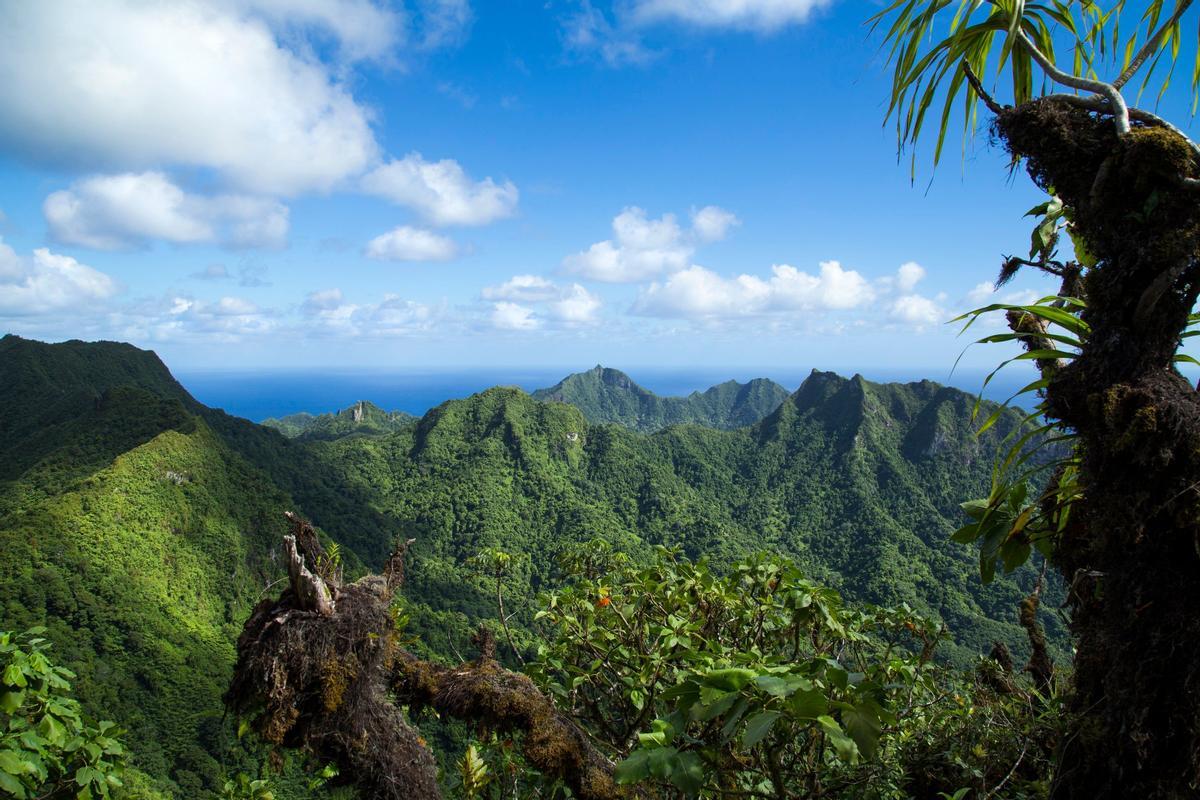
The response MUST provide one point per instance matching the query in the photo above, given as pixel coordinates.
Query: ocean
(260, 394)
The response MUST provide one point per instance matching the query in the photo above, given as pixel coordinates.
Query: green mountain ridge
(361, 419)
(141, 526)
(609, 395)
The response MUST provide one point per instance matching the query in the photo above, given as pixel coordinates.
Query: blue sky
(318, 183)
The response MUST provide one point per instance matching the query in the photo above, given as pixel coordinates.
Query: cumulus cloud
(526, 301)
(513, 317)
(113, 212)
(184, 318)
(523, 288)
(327, 312)
(406, 243)
(441, 191)
(576, 306)
(909, 275)
(362, 29)
(127, 85)
(756, 15)
(712, 223)
(915, 310)
(643, 248)
(47, 283)
(700, 293)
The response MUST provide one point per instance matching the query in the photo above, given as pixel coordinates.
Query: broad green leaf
(731, 679)
(759, 726)
(863, 725)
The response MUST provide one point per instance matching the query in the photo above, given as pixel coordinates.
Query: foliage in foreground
(759, 683)
(47, 748)
(1119, 518)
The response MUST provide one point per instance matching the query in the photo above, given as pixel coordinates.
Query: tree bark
(1130, 555)
(319, 669)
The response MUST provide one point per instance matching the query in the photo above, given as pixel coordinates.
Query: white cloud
(513, 317)
(323, 300)
(980, 294)
(443, 22)
(395, 316)
(915, 310)
(833, 288)
(712, 223)
(701, 294)
(183, 318)
(577, 306)
(757, 15)
(909, 275)
(362, 29)
(326, 312)
(233, 307)
(441, 191)
(572, 305)
(48, 283)
(111, 212)
(588, 31)
(643, 248)
(127, 85)
(523, 288)
(411, 244)
(618, 42)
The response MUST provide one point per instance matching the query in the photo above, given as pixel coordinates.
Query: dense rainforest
(141, 527)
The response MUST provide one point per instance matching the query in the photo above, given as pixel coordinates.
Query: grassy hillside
(609, 395)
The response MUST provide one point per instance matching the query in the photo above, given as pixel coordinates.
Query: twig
(977, 85)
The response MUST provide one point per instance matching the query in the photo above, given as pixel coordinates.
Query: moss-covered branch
(320, 670)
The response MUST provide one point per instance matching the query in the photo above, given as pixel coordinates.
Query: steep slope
(45, 389)
(609, 395)
(136, 528)
(142, 565)
(859, 481)
(141, 526)
(361, 419)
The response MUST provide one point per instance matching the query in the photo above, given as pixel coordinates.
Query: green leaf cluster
(47, 748)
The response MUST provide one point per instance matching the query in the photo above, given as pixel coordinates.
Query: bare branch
(1119, 110)
(1150, 46)
(311, 592)
(977, 85)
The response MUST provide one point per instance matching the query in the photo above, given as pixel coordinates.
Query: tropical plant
(47, 748)
(759, 682)
(1119, 519)
(243, 787)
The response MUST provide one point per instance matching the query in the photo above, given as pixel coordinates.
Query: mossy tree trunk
(1130, 556)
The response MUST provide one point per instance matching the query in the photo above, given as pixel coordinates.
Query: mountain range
(609, 395)
(140, 526)
(363, 418)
